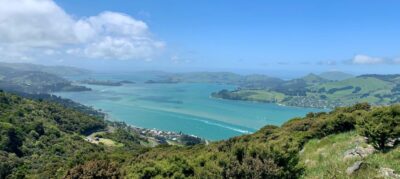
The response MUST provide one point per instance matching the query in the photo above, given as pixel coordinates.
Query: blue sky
(358, 36)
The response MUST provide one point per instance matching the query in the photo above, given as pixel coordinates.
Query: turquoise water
(184, 107)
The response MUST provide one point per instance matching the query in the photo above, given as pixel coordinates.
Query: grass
(324, 158)
(261, 95)
(105, 141)
(366, 84)
(110, 143)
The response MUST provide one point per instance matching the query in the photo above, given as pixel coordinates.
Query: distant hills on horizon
(325, 90)
(71, 71)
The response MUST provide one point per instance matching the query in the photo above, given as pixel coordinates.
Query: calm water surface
(182, 107)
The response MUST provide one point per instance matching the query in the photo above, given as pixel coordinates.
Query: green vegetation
(381, 126)
(315, 91)
(39, 139)
(335, 75)
(34, 82)
(324, 158)
(43, 140)
(248, 81)
(272, 152)
(106, 82)
(56, 70)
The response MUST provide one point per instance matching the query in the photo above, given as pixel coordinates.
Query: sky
(258, 36)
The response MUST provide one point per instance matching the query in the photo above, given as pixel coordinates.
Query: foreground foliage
(325, 158)
(39, 139)
(381, 126)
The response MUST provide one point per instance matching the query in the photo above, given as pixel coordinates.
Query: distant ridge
(56, 70)
(313, 78)
(336, 75)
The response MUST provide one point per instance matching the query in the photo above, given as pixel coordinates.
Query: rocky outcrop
(358, 152)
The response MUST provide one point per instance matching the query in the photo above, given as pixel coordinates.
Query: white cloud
(113, 35)
(34, 23)
(40, 27)
(367, 60)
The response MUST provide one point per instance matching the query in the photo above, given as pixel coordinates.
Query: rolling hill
(56, 70)
(335, 75)
(315, 91)
(30, 81)
(45, 140)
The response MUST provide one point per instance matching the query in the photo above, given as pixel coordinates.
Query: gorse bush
(380, 126)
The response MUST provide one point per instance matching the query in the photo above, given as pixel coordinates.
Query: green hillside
(335, 75)
(329, 154)
(41, 139)
(45, 140)
(56, 70)
(13, 79)
(313, 79)
(314, 91)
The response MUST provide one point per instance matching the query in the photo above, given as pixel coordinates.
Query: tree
(380, 126)
(10, 139)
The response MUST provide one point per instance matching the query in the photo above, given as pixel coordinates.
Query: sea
(180, 107)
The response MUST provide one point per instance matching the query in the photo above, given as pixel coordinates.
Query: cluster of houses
(160, 136)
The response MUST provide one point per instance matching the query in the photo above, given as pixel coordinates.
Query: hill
(41, 139)
(56, 70)
(314, 91)
(313, 78)
(335, 75)
(247, 81)
(332, 156)
(13, 79)
(44, 140)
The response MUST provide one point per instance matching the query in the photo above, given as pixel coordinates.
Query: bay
(182, 107)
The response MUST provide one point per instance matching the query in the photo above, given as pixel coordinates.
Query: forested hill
(16, 78)
(45, 140)
(40, 139)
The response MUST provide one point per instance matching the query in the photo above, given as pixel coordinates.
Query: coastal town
(153, 137)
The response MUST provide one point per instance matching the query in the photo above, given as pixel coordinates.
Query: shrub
(380, 126)
(94, 169)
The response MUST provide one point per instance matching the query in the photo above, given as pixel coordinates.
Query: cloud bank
(38, 28)
(369, 60)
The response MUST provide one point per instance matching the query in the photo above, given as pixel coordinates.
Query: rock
(359, 152)
(392, 142)
(388, 173)
(356, 166)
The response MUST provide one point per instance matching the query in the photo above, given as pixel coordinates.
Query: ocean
(181, 107)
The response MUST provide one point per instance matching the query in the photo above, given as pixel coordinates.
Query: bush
(380, 126)
(10, 139)
(94, 169)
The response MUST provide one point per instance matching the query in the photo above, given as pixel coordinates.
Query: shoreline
(161, 136)
(264, 102)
